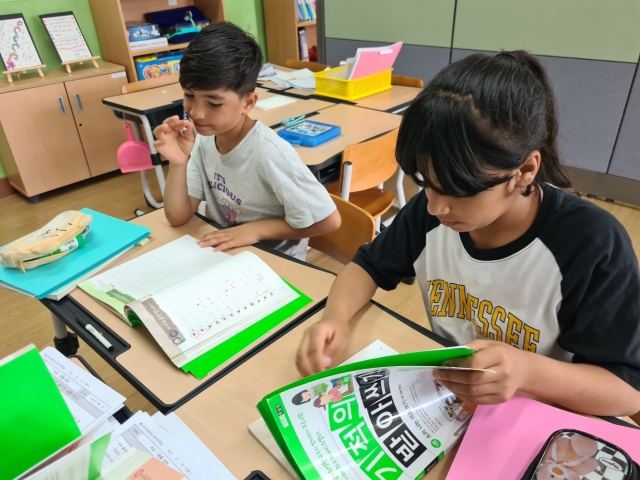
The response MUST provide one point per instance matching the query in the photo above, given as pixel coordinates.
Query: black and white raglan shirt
(569, 288)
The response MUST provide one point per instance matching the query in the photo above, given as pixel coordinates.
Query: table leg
(66, 342)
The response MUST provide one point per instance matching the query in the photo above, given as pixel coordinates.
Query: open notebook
(201, 306)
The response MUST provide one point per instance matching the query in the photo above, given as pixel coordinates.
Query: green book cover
(380, 418)
(35, 421)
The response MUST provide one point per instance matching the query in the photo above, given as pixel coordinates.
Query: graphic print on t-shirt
(226, 199)
(491, 321)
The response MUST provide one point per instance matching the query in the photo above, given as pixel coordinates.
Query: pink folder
(374, 60)
(502, 440)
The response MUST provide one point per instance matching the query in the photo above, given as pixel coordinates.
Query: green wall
(591, 29)
(415, 22)
(249, 15)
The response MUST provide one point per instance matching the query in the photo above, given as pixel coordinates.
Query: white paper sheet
(274, 102)
(90, 400)
(145, 434)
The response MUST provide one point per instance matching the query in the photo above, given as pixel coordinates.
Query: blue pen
(288, 122)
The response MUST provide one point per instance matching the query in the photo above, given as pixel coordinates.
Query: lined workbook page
(141, 277)
(209, 307)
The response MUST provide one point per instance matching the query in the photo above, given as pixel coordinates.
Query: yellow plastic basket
(351, 89)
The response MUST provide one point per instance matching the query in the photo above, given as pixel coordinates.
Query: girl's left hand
(238, 236)
(509, 364)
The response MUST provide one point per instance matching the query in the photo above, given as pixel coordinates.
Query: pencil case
(574, 455)
(65, 233)
(309, 134)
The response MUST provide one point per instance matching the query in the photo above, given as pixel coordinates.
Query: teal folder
(108, 237)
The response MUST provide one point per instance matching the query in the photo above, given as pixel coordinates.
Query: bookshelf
(110, 17)
(281, 26)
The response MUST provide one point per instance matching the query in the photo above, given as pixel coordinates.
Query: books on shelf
(306, 10)
(304, 47)
(202, 307)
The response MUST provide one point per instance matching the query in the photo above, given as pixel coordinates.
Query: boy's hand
(171, 144)
(233, 237)
(320, 346)
(510, 364)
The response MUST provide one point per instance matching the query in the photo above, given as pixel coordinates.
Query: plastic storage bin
(329, 86)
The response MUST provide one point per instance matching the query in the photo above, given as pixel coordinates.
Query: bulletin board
(17, 50)
(67, 38)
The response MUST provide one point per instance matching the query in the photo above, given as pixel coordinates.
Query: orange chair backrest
(356, 229)
(406, 81)
(374, 161)
(151, 83)
(300, 64)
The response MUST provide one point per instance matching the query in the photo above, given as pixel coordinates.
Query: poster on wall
(67, 38)
(17, 50)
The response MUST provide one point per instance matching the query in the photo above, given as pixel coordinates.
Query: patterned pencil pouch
(575, 455)
(65, 233)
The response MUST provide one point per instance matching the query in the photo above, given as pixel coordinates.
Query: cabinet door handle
(63, 110)
(78, 102)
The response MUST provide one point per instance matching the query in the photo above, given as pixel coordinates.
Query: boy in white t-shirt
(252, 180)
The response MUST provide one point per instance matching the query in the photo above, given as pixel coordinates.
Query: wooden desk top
(146, 101)
(58, 75)
(358, 125)
(220, 415)
(145, 360)
(293, 110)
(389, 99)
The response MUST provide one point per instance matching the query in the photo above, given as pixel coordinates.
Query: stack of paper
(108, 238)
(35, 421)
(168, 439)
(90, 400)
(369, 61)
(303, 79)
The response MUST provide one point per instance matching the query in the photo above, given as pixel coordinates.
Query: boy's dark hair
(297, 399)
(221, 56)
(482, 113)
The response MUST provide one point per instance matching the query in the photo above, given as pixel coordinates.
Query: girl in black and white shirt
(505, 255)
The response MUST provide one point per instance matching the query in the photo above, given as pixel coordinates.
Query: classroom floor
(24, 320)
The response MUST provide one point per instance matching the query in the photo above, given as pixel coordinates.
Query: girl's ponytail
(551, 170)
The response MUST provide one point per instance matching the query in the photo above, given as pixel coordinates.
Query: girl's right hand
(321, 345)
(173, 145)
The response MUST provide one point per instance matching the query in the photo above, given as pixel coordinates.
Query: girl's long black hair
(477, 121)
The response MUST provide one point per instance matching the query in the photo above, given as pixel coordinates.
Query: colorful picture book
(17, 50)
(202, 307)
(380, 418)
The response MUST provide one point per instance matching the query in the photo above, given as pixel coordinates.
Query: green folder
(209, 361)
(35, 421)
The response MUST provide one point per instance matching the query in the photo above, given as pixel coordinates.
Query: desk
(138, 357)
(395, 100)
(358, 125)
(274, 116)
(220, 416)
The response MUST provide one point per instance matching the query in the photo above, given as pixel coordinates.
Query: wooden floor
(24, 320)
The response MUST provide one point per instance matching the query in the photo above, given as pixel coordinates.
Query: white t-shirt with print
(261, 178)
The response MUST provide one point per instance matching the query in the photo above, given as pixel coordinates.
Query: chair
(363, 170)
(406, 81)
(356, 229)
(150, 83)
(299, 64)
